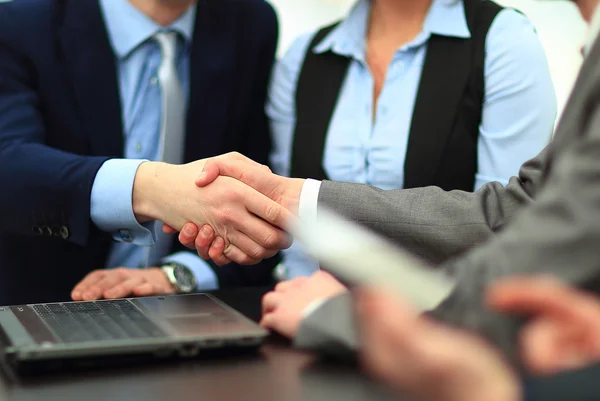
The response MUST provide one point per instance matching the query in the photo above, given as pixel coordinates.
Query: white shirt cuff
(313, 306)
(309, 197)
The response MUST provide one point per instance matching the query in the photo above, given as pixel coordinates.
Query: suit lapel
(92, 72)
(443, 80)
(212, 73)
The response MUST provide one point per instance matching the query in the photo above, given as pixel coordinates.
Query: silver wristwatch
(180, 277)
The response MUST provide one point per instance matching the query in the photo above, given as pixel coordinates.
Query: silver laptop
(360, 256)
(40, 336)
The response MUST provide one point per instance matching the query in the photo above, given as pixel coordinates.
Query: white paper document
(360, 256)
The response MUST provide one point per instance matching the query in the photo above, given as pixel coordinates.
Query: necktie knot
(168, 44)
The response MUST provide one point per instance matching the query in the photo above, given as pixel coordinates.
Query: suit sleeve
(330, 329)
(41, 186)
(430, 222)
(558, 235)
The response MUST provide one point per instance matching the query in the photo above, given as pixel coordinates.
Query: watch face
(185, 278)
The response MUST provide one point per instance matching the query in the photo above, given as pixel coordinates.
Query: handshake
(229, 208)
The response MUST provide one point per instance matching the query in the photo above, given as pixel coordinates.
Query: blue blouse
(518, 112)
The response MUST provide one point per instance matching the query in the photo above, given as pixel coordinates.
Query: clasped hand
(270, 202)
(232, 202)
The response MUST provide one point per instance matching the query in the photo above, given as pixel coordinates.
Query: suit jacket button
(47, 231)
(64, 232)
(37, 230)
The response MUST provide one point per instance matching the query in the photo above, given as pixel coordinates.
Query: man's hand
(204, 242)
(409, 351)
(284, 191)
(428, 361)
(283, 308)
(248, 222)
(120, 283)
(564, 327)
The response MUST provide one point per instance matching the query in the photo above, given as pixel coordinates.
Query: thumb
(168, 229)
(209, 173)
(252, 174)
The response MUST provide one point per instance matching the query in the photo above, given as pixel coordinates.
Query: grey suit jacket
(497, 231)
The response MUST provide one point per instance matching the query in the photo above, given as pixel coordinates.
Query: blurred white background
(561, 30)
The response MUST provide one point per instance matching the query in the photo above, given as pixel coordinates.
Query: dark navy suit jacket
(60, 120)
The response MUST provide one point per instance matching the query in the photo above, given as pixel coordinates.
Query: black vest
(442, 144)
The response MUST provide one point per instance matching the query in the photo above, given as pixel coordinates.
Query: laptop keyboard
(97, 321)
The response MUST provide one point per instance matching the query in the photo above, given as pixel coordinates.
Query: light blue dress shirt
(139, 56)
(519, 107)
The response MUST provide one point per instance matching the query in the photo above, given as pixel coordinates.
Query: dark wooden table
(274, 373)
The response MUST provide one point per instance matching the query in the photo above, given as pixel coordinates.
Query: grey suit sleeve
(430, 222)
(558, 235)
(330, 329)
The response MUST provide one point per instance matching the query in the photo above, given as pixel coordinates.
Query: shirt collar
(128, 27)
(593, 31)
(445, 18)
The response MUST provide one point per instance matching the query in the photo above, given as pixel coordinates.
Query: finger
(125, 288)
(374, 307)
(234, 254)
(89, 280)
(324, 274)
(283, 286)
(149, 289)
(253, 252)
(216, 253)
(168, 229)
(377, 356)
(381, 302)
(231, 164)
(204, 240)
(188, 235)
(542, 295)
(404, 346)
(549, 346)
(274, 214)
(538, 342)
(250, 173)
(237, 156)
(268, 321)
(389, 315)
(263, 236)
(270, 301)
(97, 290)
(378, 352)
